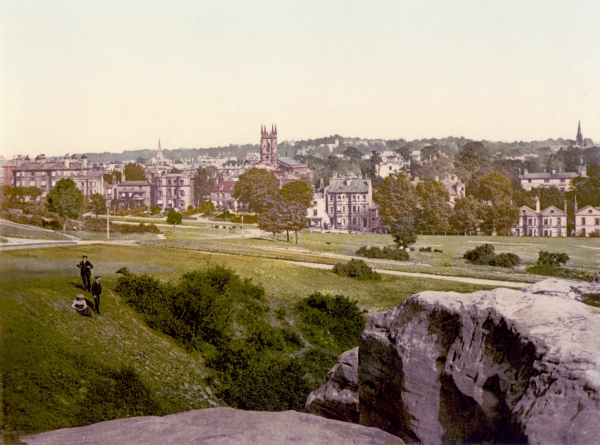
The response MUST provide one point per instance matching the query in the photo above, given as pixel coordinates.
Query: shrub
(552, 258)
(438, 250)
(131, 211)
(505, 260)
(388, 253)
(483, 254)
(154, 210)
(331, 320)
(557, 271)
(356, 269)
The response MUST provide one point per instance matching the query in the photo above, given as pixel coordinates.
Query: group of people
(79, 304)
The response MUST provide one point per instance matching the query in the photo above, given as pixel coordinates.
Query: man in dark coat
(85, 269)
(96, 291)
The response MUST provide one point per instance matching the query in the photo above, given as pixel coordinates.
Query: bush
(481, 254)
(356, 269)
(552, 259)
(557, 271)
(505, 260)
(424, 249)
(131, 211)
(387, 253)
(332, 321)
(154, 210)
(485, 254)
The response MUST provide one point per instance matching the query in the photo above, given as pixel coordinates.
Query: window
(562, 179)
(545, 221)
(529, 222)
(314, 212)
(529, 181)
(597, 221)
(551, 211)
(168, 182)
(558, 232)
(354, 208)
(558, 222)
(159, 182)
(583, 221)
(181, 203)
(181, 193)
(159, 194)
(590, 211)
(546, 181)
(330, 209)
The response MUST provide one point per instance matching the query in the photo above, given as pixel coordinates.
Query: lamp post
(107, 220)
(242, 225)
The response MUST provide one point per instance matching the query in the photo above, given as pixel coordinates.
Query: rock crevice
(501, 366)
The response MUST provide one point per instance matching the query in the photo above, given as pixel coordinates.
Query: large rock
(218, 426)
(338, 398)
(501, 366)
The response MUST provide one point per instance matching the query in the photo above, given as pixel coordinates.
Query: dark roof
(348, 186)
(289, 161)
(563, 175)
(224, 186)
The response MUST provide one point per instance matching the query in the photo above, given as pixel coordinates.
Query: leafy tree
(298, 191)
(154, 209)
(97, 204)
(207, 206)
(65, 199)
(255, 187)
(272, 217)
(483, 254)
(16, 194)
(107, 177)
(396, 197)
(174, 217)
(294, 217)
(500, 216)
(203, 182)
(434, 210)
(466, 216)
(405, 152)
(403, 231)
(492, 187)
(440, 168)
(587, 190)
(134, 172)
(353, 153)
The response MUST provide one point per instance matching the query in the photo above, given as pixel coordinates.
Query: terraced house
(44, 174)
(172, 191)
(548, 222)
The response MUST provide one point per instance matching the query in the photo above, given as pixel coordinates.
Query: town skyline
(119, 76)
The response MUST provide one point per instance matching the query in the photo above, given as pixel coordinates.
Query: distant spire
(579, 139)
(275, 128)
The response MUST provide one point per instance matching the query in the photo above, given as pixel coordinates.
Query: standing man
(85, 269)
(96, 291)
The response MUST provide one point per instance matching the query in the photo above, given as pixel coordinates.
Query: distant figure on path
(80, 305)
(85, 269)
(96, 291)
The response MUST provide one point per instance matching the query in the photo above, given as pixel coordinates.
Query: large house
(587, 221)
(221, 195)
(562, 180)
(44, 174)
(548, 222)
(349, 205)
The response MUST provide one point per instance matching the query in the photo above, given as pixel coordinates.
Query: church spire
(159, 154)
(579, 139)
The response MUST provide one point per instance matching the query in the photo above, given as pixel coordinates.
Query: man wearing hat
(80, 305)
(96, 291)
(85, 269)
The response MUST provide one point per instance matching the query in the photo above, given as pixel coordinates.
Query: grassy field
(52, 359)
(20, 231)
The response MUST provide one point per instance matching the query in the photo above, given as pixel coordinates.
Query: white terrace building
(587, 221)
(548, 222)
(562, 180)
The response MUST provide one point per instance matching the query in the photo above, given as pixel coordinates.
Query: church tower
(579, 139)
(159, 155)
(268, 145)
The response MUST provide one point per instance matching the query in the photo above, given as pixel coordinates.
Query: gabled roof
(528, 211)
(587, 208)
(557, 211)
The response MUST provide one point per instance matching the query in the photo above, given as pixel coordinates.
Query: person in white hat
(81, 306)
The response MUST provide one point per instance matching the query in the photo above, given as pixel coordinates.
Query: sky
(113, 75)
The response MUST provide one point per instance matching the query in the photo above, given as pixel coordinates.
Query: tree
(434, 210)
(492, 187)
(396, 197)
(134, 172)
(271, 218)
(298, 191)
(255, 187)
(587, 190)
(353, 153)
(203, 182)
(294, 214)
(107, 177)
(65, 199)
(500, 216)
(174, 217)
(207, 206)
(97, 204)
(403, 231)
(552, 259)
(466, 216)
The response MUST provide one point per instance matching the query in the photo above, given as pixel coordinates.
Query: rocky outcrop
(338, 398)
(218, 426)
(501, 366)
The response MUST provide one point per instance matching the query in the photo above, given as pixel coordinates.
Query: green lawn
(28, 232)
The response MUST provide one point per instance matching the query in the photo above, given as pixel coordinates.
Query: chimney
(537, 204)
(84, 161)
(565, 207)
(67, 161)
(553, 171)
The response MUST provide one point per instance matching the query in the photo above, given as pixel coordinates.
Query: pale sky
(81, 76)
